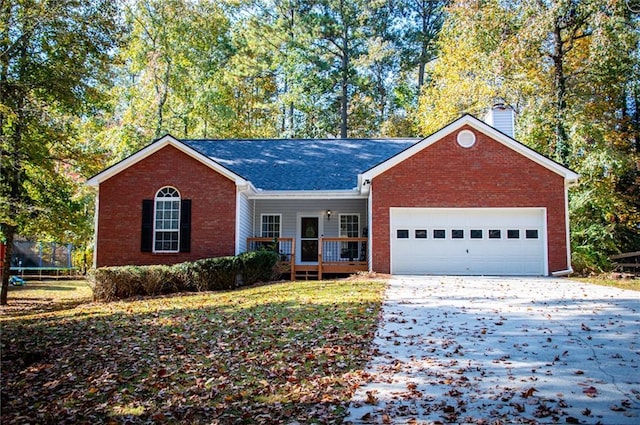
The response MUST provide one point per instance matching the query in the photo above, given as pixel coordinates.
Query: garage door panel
(520, 249)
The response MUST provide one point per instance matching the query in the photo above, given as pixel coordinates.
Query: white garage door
(468, 241)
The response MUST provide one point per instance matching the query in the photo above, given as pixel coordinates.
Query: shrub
(208, 274)
(257, 266)
(212, 274)
(156, 280)
(183, 277)
(113, 283)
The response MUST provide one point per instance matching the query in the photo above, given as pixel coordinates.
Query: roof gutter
(307, 194)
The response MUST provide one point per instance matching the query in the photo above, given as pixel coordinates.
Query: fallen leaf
(371, 397)
(590, 392)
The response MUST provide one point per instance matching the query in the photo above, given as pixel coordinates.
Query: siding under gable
(245, 218)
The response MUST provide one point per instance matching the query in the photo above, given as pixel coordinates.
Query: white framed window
(166, 220)
(349, 225)
(349, 228)
(270, 225)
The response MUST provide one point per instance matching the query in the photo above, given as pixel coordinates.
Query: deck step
(306, 275)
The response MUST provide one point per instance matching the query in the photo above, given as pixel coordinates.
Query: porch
(335, 255)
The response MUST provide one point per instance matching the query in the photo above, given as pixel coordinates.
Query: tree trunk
(343, 110)
(162, 92)
(423, 50)
(9, 232)
(344, 101)
(560, 82)
(636, 118)
(421, 69)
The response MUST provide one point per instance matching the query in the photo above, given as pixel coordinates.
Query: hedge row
(208, 274)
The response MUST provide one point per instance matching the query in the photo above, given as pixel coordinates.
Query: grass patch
(265, 354)
(632, 284)
(46, 295)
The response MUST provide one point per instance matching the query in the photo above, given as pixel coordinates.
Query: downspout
(370, 229)
(238, 226)
(569, 269)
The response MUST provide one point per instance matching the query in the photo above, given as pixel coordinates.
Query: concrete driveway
(503, 350)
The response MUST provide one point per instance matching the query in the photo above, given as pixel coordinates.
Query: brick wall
(488, 174)
(213, 198)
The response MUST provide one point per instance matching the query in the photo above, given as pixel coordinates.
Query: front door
(309, 233)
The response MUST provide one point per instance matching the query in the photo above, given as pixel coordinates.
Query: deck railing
(342, 255)
(335, 255)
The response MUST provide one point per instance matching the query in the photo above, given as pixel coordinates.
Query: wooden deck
(335, 256)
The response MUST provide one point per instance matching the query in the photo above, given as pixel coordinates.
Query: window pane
(532, 233)
(494, 234)
(166, 241)
(476, 234)
(439, 234)
(270, 226)
(349, 226)
(403, 234)
(513, 234)
(168, 192)
(167, 220)
(457, 234)
(421, 234)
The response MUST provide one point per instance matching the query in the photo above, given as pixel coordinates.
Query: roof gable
(471, 121)
(157, 145)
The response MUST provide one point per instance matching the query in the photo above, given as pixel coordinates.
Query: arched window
(166, 234)
(166, 222)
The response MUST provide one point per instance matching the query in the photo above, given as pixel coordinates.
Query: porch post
(320, 259)
(293, 259)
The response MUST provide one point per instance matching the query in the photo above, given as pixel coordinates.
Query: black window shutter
(146, 244)
(185, 225)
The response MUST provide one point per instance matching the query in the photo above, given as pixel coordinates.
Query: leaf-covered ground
(266, 354)
(47, 295)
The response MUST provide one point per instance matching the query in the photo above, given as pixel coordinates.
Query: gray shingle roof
(300, 164)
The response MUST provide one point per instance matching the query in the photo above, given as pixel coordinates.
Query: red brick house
(468, 199)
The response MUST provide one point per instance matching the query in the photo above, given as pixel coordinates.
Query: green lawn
(265, 354)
